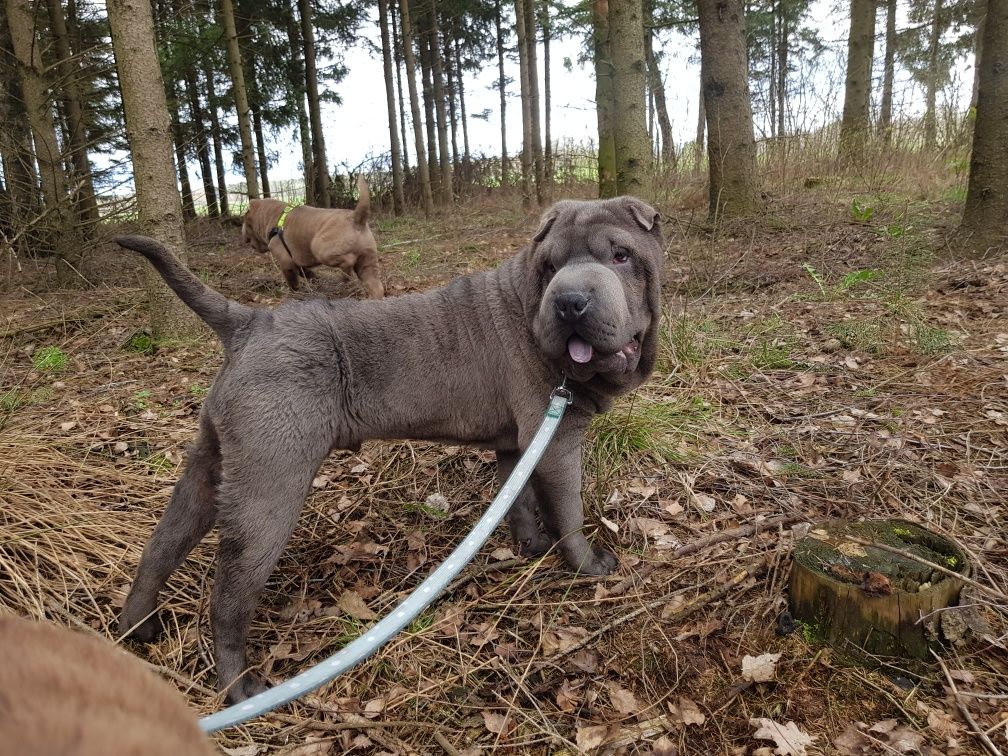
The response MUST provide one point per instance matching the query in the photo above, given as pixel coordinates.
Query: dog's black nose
(570, 306)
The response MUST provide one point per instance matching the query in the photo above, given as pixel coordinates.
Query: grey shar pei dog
(473, 362)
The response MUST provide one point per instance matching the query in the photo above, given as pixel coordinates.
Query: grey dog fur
(473, 362)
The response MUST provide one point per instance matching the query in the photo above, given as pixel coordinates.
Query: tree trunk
(430, 121)
(398, 202)
(257, 129)
(633, 147)
(985, 217)
(453, 116)
(604, 99)
(888, 66)
(977, 52)
(532, 43)
(240, 98)
(544, 22)
(22, 23)
(15, 148)
(422, 166)
(202, 143)
(668, 157)
(526, 105)
(502, 89)
(397, 55)
(857, 91)
(70, 73)
(440, 103)
(297, 88)
(701, 129)
(148, 131)
(217, 137)
(782, 67)
(731, 148)
(181, 159)
(466, 155)
(322, 185)
(930, 116)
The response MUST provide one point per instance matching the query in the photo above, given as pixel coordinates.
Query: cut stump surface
(868, 600)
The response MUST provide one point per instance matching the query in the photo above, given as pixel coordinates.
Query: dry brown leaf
(664, 747)
(762, 668)
(496, 723)
(566, 697)
(788, 739)
(351, 603)
(591, 736)
(703, 502)
(853, 741)
(688, 712)
(623, 700)
(560, 639)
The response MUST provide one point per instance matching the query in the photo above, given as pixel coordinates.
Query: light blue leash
(425, 593)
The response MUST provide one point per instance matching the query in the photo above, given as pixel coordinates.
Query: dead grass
(756, 423)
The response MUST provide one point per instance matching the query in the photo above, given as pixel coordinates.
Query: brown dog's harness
(277, 230)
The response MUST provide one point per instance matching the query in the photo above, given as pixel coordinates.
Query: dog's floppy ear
(645, 215)
(545, 224)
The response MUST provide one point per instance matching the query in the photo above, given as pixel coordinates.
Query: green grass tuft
(49, 359)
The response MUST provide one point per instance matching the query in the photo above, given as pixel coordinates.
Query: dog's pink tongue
(579, 349)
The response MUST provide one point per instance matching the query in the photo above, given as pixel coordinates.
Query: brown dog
(473, 362)
(63, 692)
(316, 236)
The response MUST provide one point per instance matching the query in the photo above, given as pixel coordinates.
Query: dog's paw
(596, 561)
(247, 686)
(535, 546)
(147, 631)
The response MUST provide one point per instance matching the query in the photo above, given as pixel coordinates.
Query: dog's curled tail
(363, 209)
(223, 315)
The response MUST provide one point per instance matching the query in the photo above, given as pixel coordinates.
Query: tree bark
(397, 55)
(15, 148)
(70, 73)
(544, 23)
(260, 138)
(633, 147)
(526, 105)
(430, 121)
(217, 137)
(857, 90)
(985, 217)
(148, 131)
(502, 89)
(782, 67)
(202, 143)
(701, 129)
(453, 114)
(41, 118)
(731, 147)
(657, 87)
(604, 99)
(931, 91)
(459, 78)
(977, 52)
(297, 88)
(181, 159)
(532, 44)
(322, 185)
(398, 202)
(240, 98)
(422, 167)
(440, 102)
(888, 67)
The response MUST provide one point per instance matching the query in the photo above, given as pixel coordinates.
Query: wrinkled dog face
(598, 267)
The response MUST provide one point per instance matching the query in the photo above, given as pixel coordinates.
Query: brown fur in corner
(63, 692)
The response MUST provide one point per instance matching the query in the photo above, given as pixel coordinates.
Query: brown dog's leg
(292, 278)
(366, 268)
(522, 517)
(261, 499)
(188, 517)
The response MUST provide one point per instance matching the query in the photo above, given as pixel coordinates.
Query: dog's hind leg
(188, 517)
(366, 267)
(522, 517)
(261, 500)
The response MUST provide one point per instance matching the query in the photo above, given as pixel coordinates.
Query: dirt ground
(815, 365)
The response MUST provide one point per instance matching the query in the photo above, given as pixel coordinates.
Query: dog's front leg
(557, 484)
(522, 518)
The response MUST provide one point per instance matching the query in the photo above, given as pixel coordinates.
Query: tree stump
(866, 600)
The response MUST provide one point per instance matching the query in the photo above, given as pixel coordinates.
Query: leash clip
(563, 392)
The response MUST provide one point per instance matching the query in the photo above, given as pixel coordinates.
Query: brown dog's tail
(223, 315)
(363, 209)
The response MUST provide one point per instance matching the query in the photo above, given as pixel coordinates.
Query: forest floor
(814, 365)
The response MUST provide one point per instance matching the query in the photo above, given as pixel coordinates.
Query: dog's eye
(550, 269)
(620, 255)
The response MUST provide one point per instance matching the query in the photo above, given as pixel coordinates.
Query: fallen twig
(732, 533)
(987, 743)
